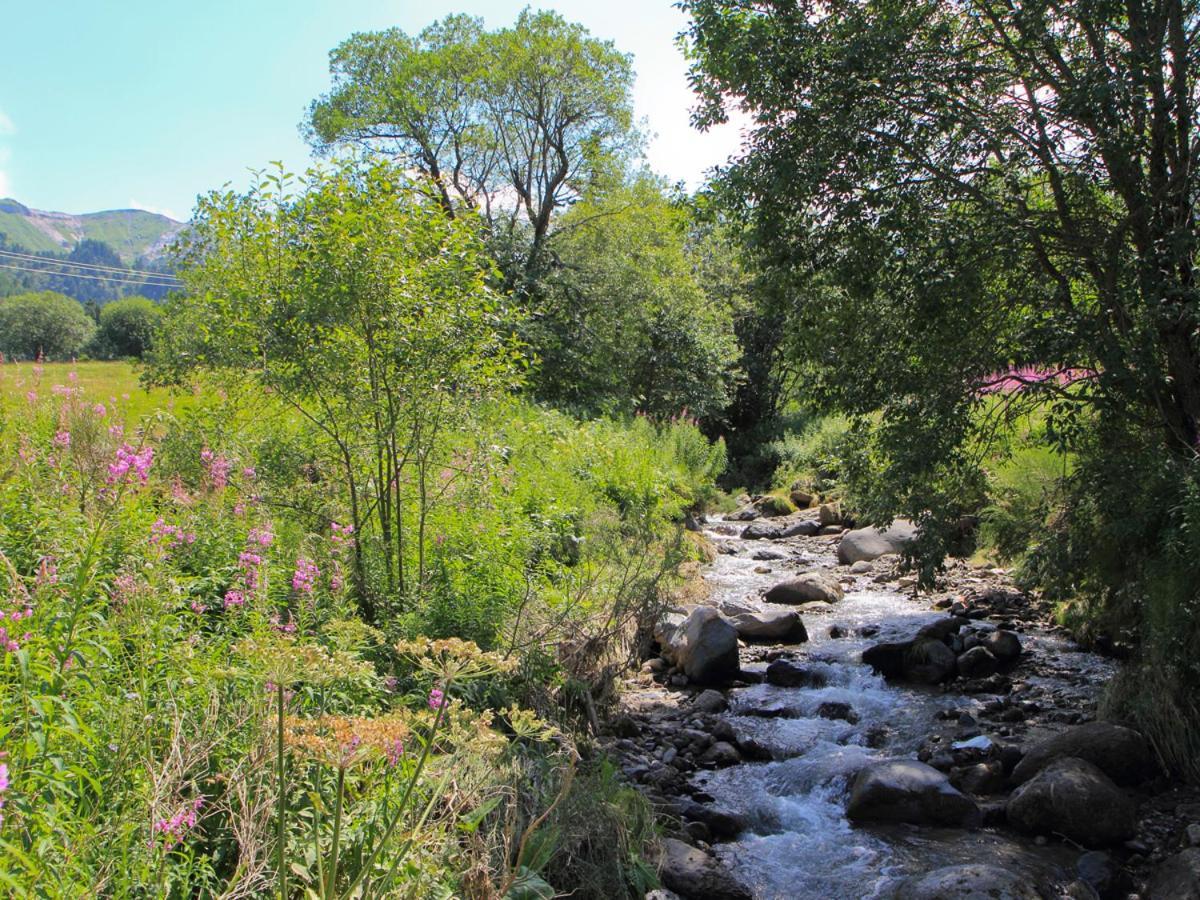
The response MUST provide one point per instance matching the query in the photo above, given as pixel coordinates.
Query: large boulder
(1004, 645)
(806, 588)
(777, 625)
(704, 644)
(872, 543)
(779, 529)
(971, 881)
(1073, 798)
(1121, 753)
(929, 661)
(887, 658)
(1178, 878)
(695, 875)
(904, 790)
(785, 673)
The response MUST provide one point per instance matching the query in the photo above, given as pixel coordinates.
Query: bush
(176, 604)
(43, 326)
(127, 328)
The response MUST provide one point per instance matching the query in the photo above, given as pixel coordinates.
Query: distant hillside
(133, 233)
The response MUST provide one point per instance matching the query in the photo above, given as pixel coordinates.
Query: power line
(136, 281)
(78, 265)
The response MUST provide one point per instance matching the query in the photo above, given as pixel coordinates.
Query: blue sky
(147, 104)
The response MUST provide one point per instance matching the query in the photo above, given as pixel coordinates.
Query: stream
(799, 843)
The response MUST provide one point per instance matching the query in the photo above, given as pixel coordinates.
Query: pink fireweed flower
(175, 829)
(233, 598)
(170, 536)
(63, 439)
(116, 431)
(4, 785)
(31, 396)
(263, 536)
(131, 460)
(437, 699)
(217, 468)
(281, 626)
(305, 576)
(8, 642)
(249, 472)
(99, 410)
(395, 750)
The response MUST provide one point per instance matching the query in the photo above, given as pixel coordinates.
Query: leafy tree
(513, 124)
(43, 325)
(127, 327)
(624, 324)
(355, 300)
(956, 190)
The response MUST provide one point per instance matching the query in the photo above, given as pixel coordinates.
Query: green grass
(101, 381)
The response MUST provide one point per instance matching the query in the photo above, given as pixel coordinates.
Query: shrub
(127, 328)
(43, 325)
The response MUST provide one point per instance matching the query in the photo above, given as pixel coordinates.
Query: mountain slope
(133, 233)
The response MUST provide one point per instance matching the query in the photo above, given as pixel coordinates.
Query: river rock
(745, 514)
(872, 543)
(972, 881)
(782, 625)
(981, 778)
(1178, 878)
(904, 790)
(977, 662)
(887, 658)
(710, 701)
(720, 824)
(802, 498)
(1074, 798)
(1004, 645)
(702, 643)
(837, 710)
(830, 514)
(695, 875)
(806, 588)
(785, 673)
(1121, 753)
(929, 661)
(1099, 870)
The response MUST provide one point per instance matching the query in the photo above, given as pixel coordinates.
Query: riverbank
(762, 773)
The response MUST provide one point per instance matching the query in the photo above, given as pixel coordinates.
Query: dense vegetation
(335, 609)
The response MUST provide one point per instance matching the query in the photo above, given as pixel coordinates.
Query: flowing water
(800, 843)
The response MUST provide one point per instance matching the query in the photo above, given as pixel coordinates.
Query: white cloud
(161, 210)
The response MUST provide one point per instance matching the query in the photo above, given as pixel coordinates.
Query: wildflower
(234, 597)
(63, 439)
(175, 829)
(218, 468)
(32, 397)
(394, 751)
(116, 431)
(305, 576)
(99, 410)
(128, 459)
(288, 627)
(262, 536)
(4, 783)
(437, 699)
(249, 472)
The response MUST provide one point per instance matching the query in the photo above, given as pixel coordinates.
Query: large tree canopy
(513, 123)
(625, 321)
(979, 184)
